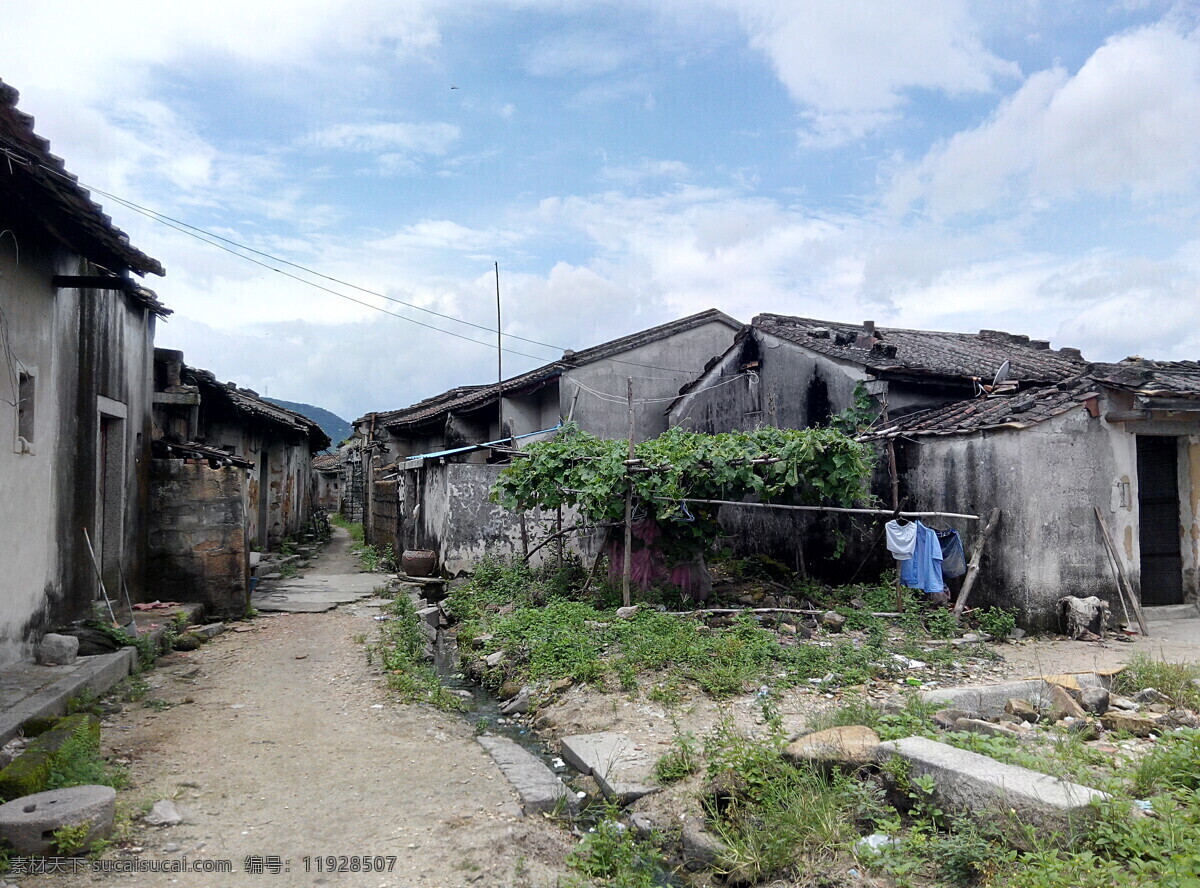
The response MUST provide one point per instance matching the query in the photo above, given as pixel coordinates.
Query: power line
(228, 245)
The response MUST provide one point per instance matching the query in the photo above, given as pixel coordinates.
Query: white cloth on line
(901, 539)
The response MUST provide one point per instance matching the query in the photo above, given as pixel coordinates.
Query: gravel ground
(278, 743)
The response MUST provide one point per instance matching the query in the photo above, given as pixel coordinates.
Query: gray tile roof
(1016, 411)
(249, 404)
(471, 397)
(40, 183)
(1169, 379)
(927, 352)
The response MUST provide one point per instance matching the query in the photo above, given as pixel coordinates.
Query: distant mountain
(333, 425)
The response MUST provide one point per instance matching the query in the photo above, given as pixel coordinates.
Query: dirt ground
(281, 742)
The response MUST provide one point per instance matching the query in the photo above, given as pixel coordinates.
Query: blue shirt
(924, 569)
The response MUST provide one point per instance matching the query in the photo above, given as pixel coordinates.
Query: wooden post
(627, 568)
(973, 568)
(1124, 587)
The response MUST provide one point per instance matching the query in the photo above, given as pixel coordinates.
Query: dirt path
(280, 742)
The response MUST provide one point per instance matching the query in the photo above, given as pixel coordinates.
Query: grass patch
(401, 653)
(611, 855)
(1173, 679)
(548, 635)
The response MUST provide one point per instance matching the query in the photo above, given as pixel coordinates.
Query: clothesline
(886, 512)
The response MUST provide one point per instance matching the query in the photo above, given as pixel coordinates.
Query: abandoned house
(76, 345)
(232, 473)
(1122, 438)
(1048, 443)
(439, 456)
(327, 490)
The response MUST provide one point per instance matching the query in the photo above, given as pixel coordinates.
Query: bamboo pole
(1124, 587)
(973, 568)
(887, 512)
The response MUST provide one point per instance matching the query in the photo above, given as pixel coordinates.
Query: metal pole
(499, 357)
(627, 570)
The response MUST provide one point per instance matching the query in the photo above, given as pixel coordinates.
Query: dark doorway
(1158, 520)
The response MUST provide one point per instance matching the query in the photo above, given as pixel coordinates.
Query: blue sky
(1029, 166)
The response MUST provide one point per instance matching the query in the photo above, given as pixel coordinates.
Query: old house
(232, 473)
(433, 463)
(1046, 444)
(327, 481)
(76, 349)
(1122, 438)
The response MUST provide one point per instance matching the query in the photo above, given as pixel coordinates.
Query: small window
(25, 406)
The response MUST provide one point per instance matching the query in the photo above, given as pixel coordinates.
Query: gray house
(435, 460)
(1055, 439)
(76, 345)
(1124, 438)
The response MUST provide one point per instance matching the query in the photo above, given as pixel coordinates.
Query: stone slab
(28, 823)
(979, 785)
(293, 606)
(31, 691)
(623, 772)
(538, 787)
(988, 700)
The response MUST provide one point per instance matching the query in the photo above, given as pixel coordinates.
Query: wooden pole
(627, 567)
(1123, 585)
(973, 568)
(499, 361)
(888, 512)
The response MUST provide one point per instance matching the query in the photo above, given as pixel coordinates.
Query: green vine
(576, 469)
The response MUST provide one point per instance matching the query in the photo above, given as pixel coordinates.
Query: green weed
(613, 856)
(401, 652)
(1173, 679)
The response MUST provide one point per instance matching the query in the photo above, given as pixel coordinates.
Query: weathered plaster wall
(81, 347)
(1046, 480)
(198, 549)
(457, 520)
(671, 363)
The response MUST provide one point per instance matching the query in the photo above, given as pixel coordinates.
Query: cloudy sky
(1031, 166)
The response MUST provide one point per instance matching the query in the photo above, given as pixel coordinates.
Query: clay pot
(418, 562)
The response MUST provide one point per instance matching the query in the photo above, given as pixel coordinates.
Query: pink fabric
(648, 564)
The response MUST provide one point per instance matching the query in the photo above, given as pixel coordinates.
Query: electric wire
(618, 399)
(216, 240)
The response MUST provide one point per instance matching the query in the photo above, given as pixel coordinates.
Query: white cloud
(421, 138)
(587, 55)
(850, 66)
(647, 169)
(1127, 122)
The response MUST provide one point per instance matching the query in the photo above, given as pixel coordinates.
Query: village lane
(281, 747)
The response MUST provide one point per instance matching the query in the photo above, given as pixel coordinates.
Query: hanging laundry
(954, 560)
(924, 570)
(901, 539)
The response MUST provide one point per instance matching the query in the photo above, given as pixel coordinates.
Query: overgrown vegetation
(547, 633)
(1176, 680)
(611, 855)
(578, 469)
(401, 652)
(372, 558)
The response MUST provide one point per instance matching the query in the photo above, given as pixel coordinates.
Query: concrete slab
(30, 691)
(538, 786)
(623, 771)
(969, 782)
(988, 700)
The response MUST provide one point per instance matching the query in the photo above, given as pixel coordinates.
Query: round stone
(29, 823)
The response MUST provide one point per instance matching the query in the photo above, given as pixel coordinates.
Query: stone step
(539, 788)
(623, 771)
(968, 782)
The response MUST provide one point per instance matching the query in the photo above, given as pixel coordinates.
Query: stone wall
(198, 536)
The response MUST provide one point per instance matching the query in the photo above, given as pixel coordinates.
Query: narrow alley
(279, 745)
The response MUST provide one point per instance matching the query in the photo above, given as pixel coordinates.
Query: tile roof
(1017, 411)
(927, 352)
(39, 181)
(1170, 379)
(325, 462)
(248, 403)
(476, 396)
